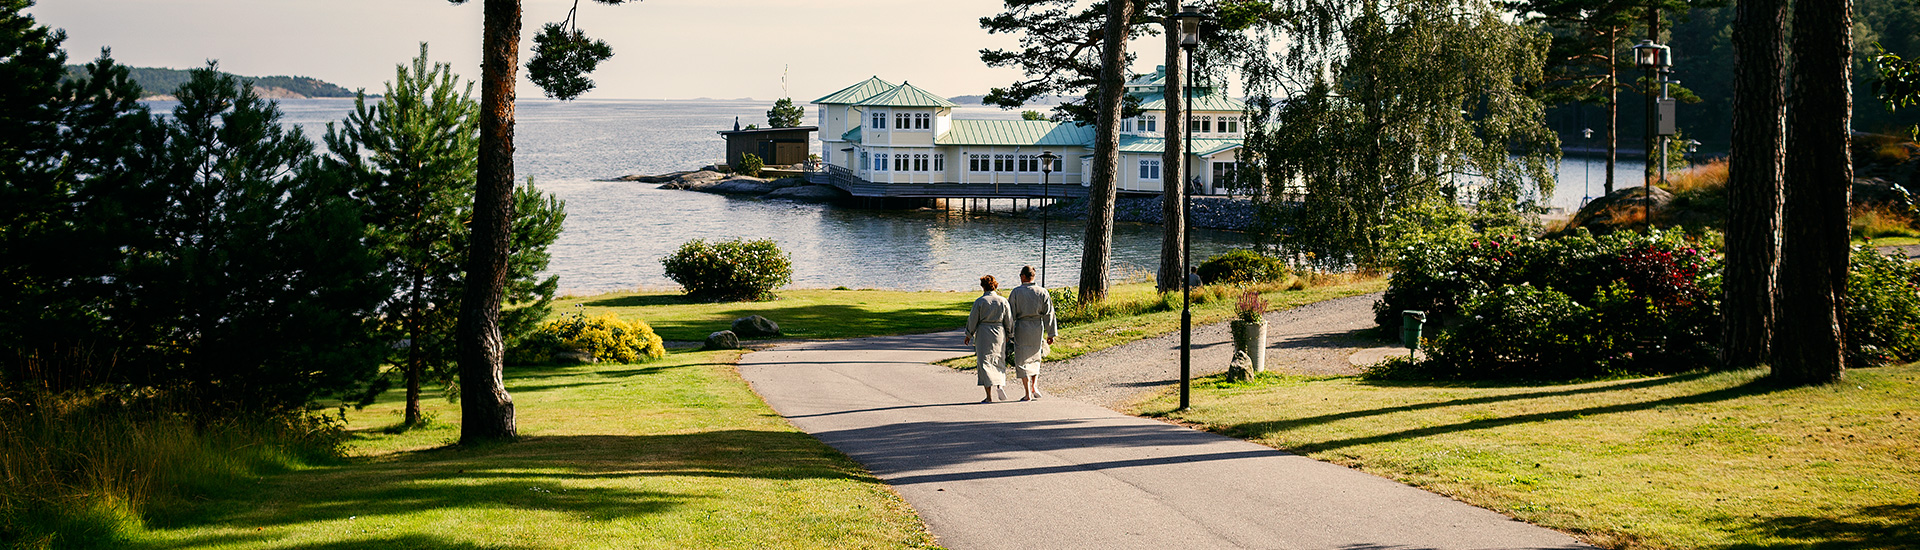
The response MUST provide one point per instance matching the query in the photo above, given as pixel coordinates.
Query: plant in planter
(1250, 330)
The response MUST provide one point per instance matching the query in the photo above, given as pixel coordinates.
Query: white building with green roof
(886, 140)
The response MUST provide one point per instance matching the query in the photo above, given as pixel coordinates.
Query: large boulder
(724, 339)
(695, 180)
(755, 326)
(1624, 208)
(743, 185)
(809, 193)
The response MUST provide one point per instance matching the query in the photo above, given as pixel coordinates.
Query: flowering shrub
(729, 271)
(1250, 306)
(1883, 309)
(1572, 307)
(606, 338)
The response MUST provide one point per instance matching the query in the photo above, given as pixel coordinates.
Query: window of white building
(879, 120)
(922, 121)
(920, 163)
(902, 162)
(1126, 125)
(939, 162)
(1229, 125)
(863, 159)
(1149, 123)
(902, 121)
(1150, 169)
(1206, 125)
(1002, 164)
(1028, 163)
(880, 162)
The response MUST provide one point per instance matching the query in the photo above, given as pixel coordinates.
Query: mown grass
(677, 453)
(1704, 460)
(1135, 311)
(816, 314)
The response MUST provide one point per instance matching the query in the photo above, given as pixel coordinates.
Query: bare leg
(1033, 386)
(989, 398)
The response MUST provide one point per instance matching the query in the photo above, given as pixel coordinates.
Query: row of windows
(981, 162)
(1206, 124)
(905, 162)
(902, 121)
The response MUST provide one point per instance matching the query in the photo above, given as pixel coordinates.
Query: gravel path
(1311, 339)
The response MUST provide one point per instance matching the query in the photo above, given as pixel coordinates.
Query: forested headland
(159, 83)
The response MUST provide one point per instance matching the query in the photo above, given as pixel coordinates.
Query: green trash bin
(1411, 324)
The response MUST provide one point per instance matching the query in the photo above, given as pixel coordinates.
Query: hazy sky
(662, 48)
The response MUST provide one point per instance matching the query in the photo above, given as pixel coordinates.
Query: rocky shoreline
(708, 180)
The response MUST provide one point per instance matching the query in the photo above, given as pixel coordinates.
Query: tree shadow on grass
(1880, 526)
(643, 300)
(819, 320)
(1255, 429)
(579, 475)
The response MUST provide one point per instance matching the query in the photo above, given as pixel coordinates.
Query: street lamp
(1656, 59)
(1586, 170)
(1190, 21)
(1046, 192)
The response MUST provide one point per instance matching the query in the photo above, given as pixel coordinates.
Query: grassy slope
(822, 314)
(673, 454)
(1691, 461)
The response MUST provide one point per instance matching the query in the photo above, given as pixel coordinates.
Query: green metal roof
(1016, 132)
(1157, 78)
(1201, 146)
(856, 93)
(852, 135)
(1203, 100)
(905, 95)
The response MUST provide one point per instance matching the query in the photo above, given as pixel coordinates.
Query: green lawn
(817, 314)
(677, 453)
(1692, 461)
(1889, 241)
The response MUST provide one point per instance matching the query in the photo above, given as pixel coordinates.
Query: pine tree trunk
(1098, 252)
(1809, 344)
(1756, 164)
(1613, 106)
(486, 409)
(1173, 187)
(415, 360)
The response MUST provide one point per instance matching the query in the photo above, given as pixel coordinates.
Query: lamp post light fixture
(1046, 194)
(1190, 21)
(1586, 166)
(1656, 59)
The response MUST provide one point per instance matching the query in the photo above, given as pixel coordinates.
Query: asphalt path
(1059, 473)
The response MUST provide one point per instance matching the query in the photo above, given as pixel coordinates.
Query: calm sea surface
(617, 232)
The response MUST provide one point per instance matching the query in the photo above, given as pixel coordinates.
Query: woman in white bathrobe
(987, 328)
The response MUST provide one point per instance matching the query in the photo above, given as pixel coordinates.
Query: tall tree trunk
(415, 360)
(1173, 189)
(486, 412)
(1098, 252)
(1809, 341)
(1613, 105)
(1756, 164)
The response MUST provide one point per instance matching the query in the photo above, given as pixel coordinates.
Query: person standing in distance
(1034, 328)
(987, 332)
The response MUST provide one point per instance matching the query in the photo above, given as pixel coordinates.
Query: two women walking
(1024, 321)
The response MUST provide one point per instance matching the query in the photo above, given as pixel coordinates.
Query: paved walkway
(1061, 474)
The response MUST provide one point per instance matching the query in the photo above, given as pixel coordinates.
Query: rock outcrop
(755, 326)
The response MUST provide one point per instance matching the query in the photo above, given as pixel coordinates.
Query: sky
(663, 49)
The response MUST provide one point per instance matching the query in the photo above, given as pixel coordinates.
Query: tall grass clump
(88, 469)
(1878, 222)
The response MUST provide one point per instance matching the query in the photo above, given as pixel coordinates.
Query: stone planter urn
(1250, 337)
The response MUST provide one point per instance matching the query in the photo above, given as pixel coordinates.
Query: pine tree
(784, 114)
(1809, 342)
(1755, 168)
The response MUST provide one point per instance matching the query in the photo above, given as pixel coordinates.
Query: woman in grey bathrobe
(987, 328)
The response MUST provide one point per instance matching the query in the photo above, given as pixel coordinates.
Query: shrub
(1242, 266)
(731, 271)
(750, 164)
(534, 348)
(1573, 307)
(1250, 306)
(1883, 309)
(607, 338)
(1064, 298)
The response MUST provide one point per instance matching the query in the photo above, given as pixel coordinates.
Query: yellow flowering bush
(607, 338)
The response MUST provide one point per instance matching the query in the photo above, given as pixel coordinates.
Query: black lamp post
(1586, 167)
(1046, 193)
(1189, 39)
(1655, 58)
